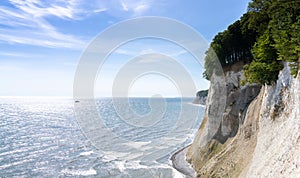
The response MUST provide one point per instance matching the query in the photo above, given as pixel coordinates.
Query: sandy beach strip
(180, 164)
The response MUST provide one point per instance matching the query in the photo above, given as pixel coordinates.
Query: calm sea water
(40, 137)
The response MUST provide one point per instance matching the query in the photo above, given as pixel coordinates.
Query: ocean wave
(89, 172)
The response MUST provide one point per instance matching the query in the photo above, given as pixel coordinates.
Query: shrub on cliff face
(261, 73)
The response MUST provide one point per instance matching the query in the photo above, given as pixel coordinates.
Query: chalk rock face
(214, 110)
(249, 135)
(277, 152)
(226, 104)
(238, 99)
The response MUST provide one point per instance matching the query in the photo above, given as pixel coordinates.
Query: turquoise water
(41, 137)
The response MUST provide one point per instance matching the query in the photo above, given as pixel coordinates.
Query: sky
(42, 41)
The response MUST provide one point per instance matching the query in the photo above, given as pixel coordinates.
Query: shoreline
(181, 165)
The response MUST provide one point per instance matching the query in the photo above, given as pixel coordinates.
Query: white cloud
(71, 9)
(126, 52)
(124, 6)
(136, 7)
(135, 52)
(140, 8)
(154, 58)
(26, 23)
(128, 8)
(147, 51)
(144, 47)
(179, 53)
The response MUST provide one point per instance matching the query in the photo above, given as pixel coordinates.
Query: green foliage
(279, 40)
(202, 93)
(265, 36)
(264, 50)
(211, 64)
(262, 72)
(285, 27)
(265, 67)
(259, 18)
(229, 47)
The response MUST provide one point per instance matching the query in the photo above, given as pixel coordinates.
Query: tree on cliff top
(266, 35)
(265, 67)
(278, 41)
(230, 46)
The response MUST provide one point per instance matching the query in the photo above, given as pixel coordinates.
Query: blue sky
(41, 41)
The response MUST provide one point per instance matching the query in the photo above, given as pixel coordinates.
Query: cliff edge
(249, 131)
(201, 97)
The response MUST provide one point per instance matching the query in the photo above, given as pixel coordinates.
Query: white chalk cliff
(249, 131)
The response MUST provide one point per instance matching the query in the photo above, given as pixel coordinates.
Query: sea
(46, 137)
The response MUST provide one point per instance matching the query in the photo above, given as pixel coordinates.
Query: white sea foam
(89, 172)
(138, 145)
(15, 163)
(120, 165)
(44, 132)
(199, 105)
(176, 174)
(87, 153)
